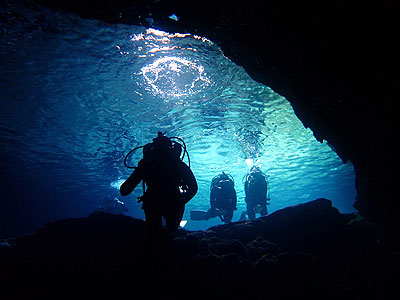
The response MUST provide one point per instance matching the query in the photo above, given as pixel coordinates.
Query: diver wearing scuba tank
(255, 188)
(170, 182)
(223, 198)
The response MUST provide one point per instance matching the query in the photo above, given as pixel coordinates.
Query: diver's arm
(190, 181)
(234, 199)
(129, 185)
(266, 190)
(246, 191)
(213, 198)
(246, 188)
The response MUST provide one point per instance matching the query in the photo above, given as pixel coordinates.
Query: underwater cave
(78, 94)
(306, 91)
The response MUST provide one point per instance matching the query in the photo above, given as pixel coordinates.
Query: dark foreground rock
(305, 251)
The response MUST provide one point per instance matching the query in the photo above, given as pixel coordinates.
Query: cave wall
(335, 62)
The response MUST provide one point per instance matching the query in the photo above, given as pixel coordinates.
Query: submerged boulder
(305, 226)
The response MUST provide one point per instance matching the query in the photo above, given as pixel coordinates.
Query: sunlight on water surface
(79, 94)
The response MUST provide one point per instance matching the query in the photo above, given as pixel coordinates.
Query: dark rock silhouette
(309, 250)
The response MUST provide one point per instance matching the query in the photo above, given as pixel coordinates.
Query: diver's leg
(228, 216)
(250, 211)
(173, 218)
(243, 216)
(211, 213)
(153, 220)
(264, 210)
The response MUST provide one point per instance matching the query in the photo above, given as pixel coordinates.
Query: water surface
(77, 95)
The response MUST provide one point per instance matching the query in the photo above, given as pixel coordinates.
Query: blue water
(77, 95)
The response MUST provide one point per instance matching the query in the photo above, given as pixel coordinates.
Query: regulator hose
(174, 137)
(183, 147)
(126, 156)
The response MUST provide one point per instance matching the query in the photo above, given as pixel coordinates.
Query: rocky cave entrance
(229, 123)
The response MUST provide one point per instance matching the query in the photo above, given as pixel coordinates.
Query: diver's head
(223, 176)
(224, 180)
(162, 147)
(162, 141)
(255, 174)
(224, 183)
(255, 170)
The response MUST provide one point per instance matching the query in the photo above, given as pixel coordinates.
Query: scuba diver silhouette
(255, 188)
(170, 182)
(222, 198)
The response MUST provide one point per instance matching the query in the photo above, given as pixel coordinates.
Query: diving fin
(198, 215)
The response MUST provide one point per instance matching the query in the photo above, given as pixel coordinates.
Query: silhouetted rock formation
(309, 250)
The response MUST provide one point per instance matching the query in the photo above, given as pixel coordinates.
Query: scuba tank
(254, 176)
(221, 177)
(161, 145)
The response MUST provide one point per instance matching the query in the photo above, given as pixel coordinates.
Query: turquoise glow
(78, 97)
